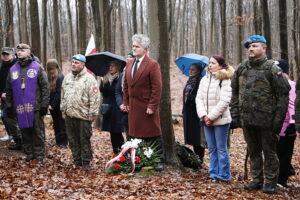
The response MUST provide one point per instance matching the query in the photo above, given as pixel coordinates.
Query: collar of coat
(222, 74)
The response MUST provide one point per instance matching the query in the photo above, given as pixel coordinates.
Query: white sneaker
(6, 138)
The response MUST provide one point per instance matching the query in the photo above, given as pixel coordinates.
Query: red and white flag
(91, 47)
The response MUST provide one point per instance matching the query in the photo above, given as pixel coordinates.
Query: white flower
(148, 152)
(133, 143)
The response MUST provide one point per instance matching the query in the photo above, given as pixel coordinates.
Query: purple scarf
(24, 99)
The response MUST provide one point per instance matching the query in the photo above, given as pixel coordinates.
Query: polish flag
(91, 47)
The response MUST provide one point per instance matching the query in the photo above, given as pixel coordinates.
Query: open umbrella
(184, 62)
(98, 63)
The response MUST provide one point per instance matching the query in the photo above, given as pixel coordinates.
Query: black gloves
(43, 111)
(290, 130)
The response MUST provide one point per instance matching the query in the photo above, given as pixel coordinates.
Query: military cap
(23, 46)
(7, 50)
(255, 39)
(130, 53)
(79, 57)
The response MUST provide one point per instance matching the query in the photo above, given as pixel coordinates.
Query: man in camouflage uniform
(11, 126)
(259, 105)
(80, 101)
(27, 96)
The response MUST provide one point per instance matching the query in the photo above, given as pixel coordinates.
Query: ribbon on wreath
(130, 145)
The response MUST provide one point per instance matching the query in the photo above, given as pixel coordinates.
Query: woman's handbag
(105, 108)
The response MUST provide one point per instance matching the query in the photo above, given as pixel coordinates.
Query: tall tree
(56, 28)
(267, 26)
(122, 37)
(199, 38)
(240, 30)
(257, 18)
(35, 28)
(72, 39)
(283, 29)
(24, 32)
(223, 27)
(158, 29)
(133, 15)
(97, 22)
(212, 19)
(10, 24)
(44, 57)
(141, 16)
(82, 26)
(295, 33)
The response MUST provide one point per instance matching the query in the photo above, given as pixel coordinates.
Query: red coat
(140, 93)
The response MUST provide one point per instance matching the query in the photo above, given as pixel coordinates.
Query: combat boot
(86, 167)
(269, 188)
(253, 185)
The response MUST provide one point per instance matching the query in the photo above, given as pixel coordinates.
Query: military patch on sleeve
(95, 89)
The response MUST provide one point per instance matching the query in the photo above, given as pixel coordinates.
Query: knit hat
(23, 46)
(284, 65)
(79, 57)
(255, 39)
(7, 50)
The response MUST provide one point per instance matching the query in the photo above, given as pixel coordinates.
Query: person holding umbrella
(112, 116)
(193, 132)
(212, 101)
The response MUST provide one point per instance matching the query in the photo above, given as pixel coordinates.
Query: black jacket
(55, 96)
(4, 70)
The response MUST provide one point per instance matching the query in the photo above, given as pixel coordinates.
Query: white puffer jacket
(214, 95)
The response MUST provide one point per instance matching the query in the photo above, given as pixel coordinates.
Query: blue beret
(79, 57)
(255, 39)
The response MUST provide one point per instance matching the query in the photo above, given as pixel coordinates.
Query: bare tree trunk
(35, 29)
(19, 19)
(72, 39)
(283, 29)
(240, 31)
(158, 29)
(82, 26)
(97, 22)
(267, 27)
(182, 32)
(212, 18)
(294, 73)
(141, 16)
(223, 27)
(44, 57)
(10, 24)
(134, 22)
(199, 38)
(257, 18)
(24, 33)
(56, 28)
(122, 38)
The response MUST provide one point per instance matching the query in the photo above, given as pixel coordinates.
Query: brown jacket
(140, 93)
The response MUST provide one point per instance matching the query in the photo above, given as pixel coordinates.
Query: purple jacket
(291, 109)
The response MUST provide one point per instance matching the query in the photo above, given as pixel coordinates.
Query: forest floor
(58, 178)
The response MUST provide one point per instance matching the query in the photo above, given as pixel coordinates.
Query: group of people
(258, 97)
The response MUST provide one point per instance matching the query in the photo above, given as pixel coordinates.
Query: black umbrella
(98, 63)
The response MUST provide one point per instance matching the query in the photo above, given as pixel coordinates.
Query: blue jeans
(216, 138)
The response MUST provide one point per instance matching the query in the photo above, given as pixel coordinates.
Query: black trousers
(117, 141)
(199, 151)
(285, 150)
(59, 127)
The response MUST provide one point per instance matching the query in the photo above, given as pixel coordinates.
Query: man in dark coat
(27, 95)
(142, 92)
(259, 104)
(10, 123)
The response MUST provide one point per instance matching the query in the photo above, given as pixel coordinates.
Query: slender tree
(223, 27)
(133, 16)
(57, 42)
(158, 29)
(283, 29)
(267, 26)
(82, 26)
(44, 57)
(240, 25)
(97, 22)
(35, 29)
(257, 18)
(71, 39)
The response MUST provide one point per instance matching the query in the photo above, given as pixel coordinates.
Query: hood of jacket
(222, 74)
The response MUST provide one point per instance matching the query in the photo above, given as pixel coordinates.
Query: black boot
(269, 188)
(16, 147)
(28, 158)
(253, 185)
(86, 167)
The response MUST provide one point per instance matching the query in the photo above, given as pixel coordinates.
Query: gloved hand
(43, 111)
(290, 130)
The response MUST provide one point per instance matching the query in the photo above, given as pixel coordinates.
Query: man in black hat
(10, 123)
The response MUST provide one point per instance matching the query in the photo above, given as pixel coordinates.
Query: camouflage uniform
(33, 138)
(10, 123)
(259, 104)
(297, 106)
(80, 98)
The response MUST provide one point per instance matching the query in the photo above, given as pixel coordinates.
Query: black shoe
(15, 147)
(40, 160)
(159, 167)
(291, 172)
(269, 188)
(28, 158)
(86, 167)
(253, 185)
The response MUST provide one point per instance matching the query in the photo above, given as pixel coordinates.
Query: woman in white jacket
(212, 102)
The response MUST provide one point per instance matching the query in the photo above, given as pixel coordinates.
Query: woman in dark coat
(55, 78)
(193, 132)
(112, 120)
